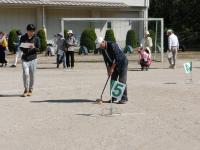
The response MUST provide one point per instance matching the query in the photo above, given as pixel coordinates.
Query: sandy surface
(163, 112)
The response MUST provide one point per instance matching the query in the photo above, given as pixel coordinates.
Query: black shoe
(122, 102)
(13, 66)
(112, 100)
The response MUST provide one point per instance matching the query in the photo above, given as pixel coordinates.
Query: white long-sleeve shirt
(147, 42)
(173, 41)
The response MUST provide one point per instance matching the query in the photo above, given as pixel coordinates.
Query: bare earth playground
(163, 112)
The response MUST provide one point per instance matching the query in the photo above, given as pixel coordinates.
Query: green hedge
(65, 33)
(88, 38)
(131, 38)
(43, 41)
(110, 36)
(11, 39)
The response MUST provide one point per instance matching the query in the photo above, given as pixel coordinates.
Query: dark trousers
(144, 64)
(3, 57)
(121, 77)
(61, 59)
(70, 57)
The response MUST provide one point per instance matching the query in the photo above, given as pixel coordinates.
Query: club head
(99, 101)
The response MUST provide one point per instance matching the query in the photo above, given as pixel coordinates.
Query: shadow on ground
(10, 95)
(139, 69)
(46, 68)
(69, 101)
(170, 83)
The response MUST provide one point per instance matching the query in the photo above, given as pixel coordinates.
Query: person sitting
(144, 58)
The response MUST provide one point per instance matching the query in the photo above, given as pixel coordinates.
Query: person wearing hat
(145, 58)
(147, 41)
(61, 57)
(70, 46)
(29, 45)
(18, 52)
(3, 49)
(116, 63)
(173, 44)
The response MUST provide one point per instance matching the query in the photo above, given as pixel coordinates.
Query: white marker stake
(188, 71)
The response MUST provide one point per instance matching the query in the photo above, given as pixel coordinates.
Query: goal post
(120, 27)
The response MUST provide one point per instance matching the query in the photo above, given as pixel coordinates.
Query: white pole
(146, 15)
(62, 25)
(156, 40)
(43, 21)
(162, 40)
(43, 17)
(111, 19)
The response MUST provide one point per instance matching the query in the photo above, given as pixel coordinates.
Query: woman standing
(3, 48)
(147, 41)
(70, 45)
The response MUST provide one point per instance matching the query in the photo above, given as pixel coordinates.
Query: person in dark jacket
(116, 64)
(61, 56)
(29, 45)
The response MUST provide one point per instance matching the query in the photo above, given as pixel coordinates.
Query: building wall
(54, 16)
(20, 17)
(16, 18)
(120, 27)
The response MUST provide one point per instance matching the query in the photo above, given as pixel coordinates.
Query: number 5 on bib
(117, 89)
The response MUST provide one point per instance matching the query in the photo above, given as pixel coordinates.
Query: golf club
(100, 101)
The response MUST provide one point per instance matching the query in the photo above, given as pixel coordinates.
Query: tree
(110, 36)
(88, 38)
(43, 41)
(65, 33)
(11, 39)
(181, 15)
(131, 38)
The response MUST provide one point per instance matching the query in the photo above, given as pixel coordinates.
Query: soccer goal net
(128, 32)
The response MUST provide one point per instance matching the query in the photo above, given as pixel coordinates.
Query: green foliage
(11, 39)
(43, 41)
(65, 33)
(110, 36)
(88, 38)
(131, 38)
(180, 15)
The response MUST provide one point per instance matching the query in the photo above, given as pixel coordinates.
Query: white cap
(60, 34)
(169, 31)
(147, 32)
(99, 41)
(70, 32)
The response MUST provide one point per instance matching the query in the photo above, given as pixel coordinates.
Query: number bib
(117, 89)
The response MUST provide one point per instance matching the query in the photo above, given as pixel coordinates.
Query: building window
(109, 25)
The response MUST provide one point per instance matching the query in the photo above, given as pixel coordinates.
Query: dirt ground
(163, 112)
